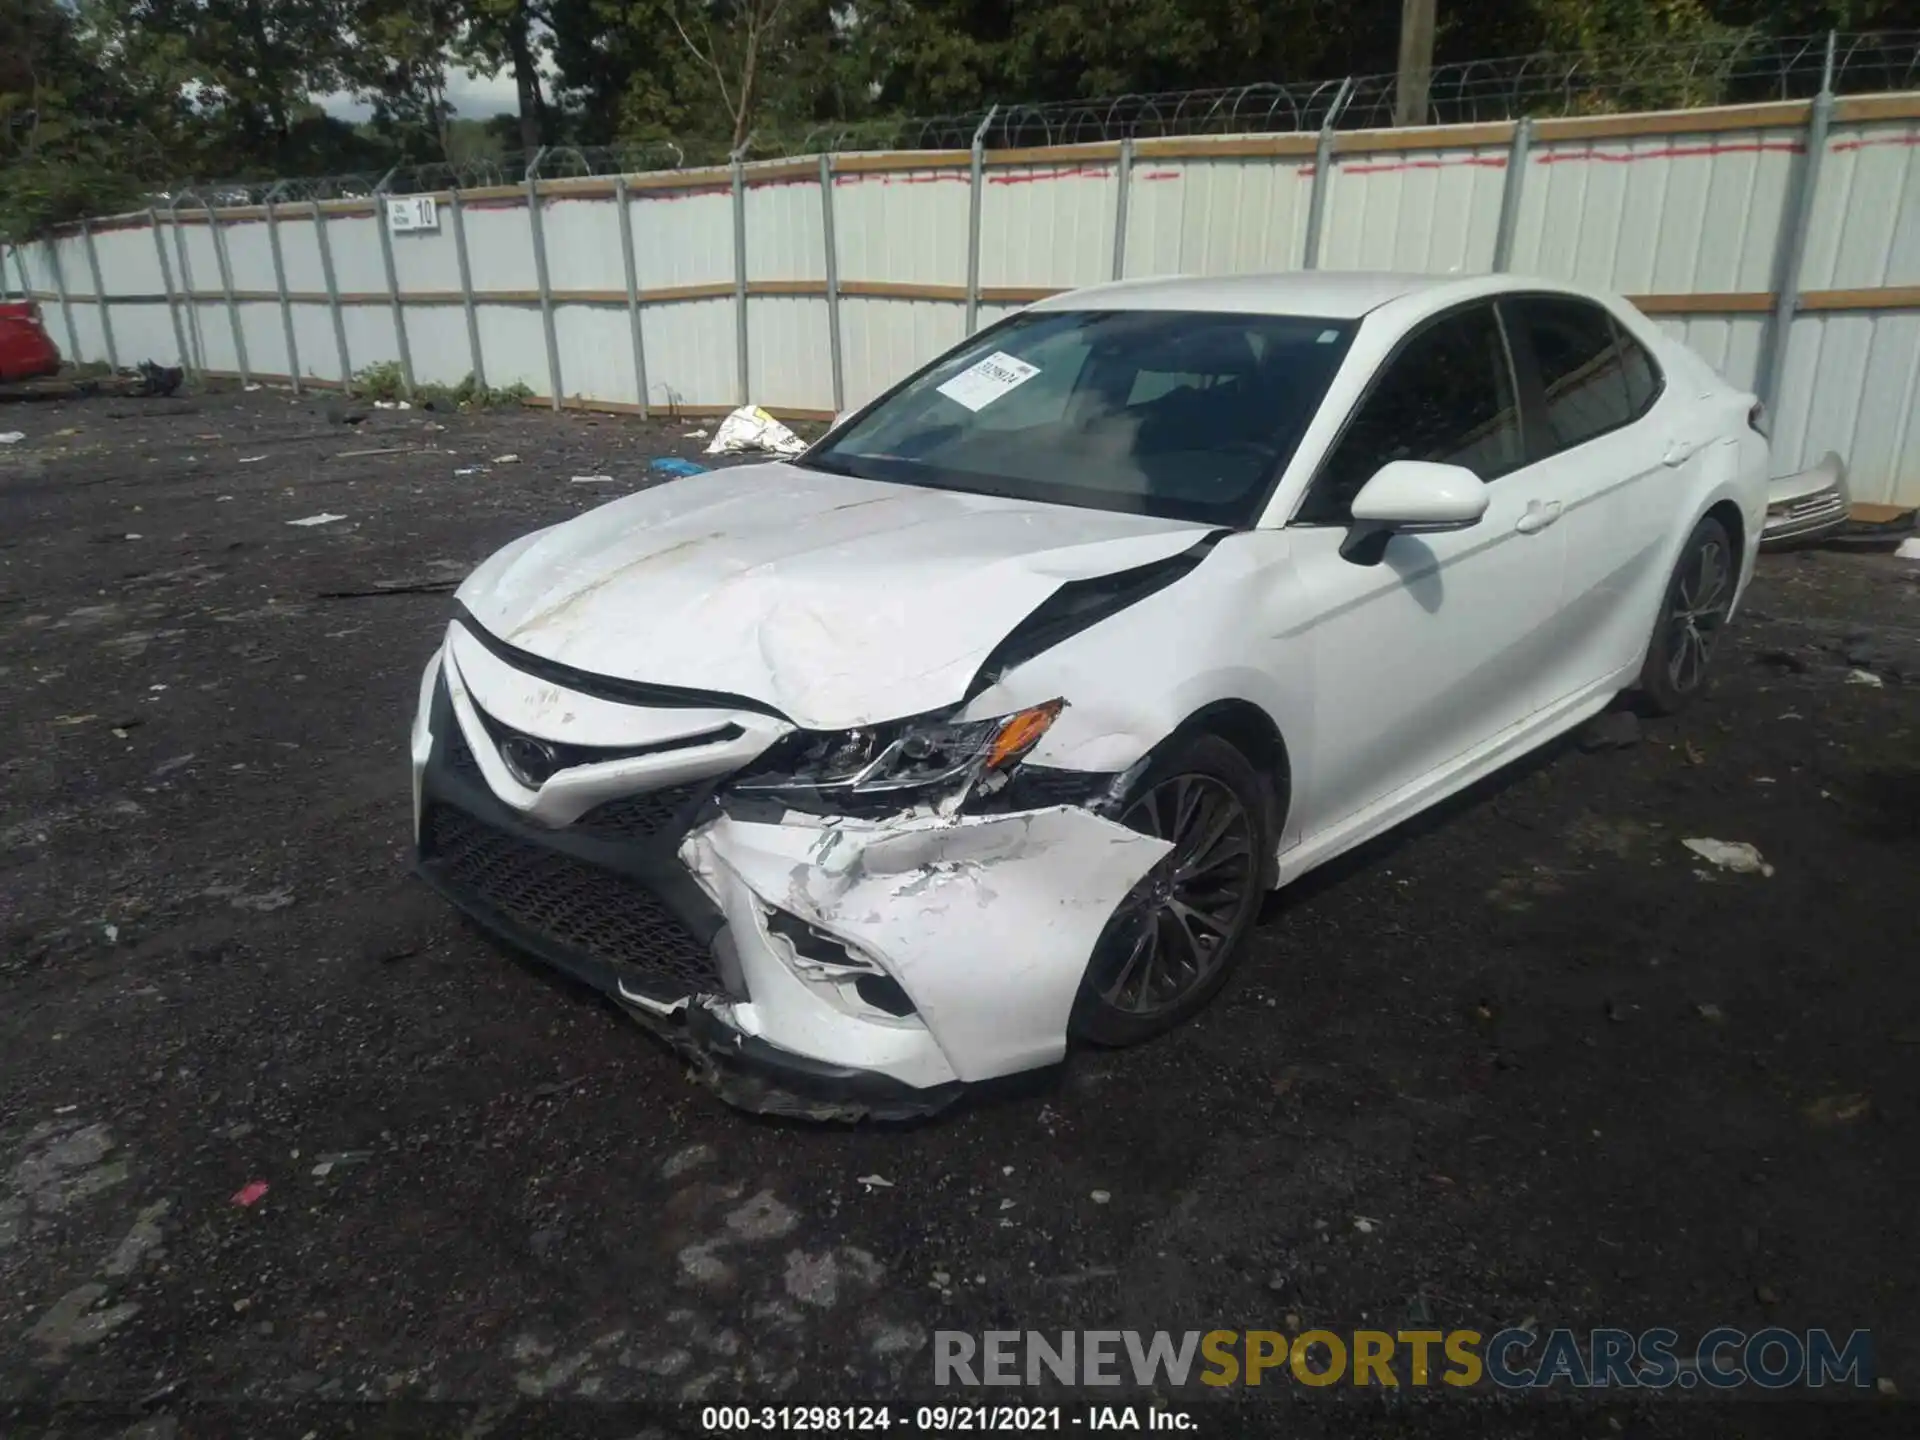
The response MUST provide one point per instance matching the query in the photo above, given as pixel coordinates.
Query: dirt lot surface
(1529, 1060)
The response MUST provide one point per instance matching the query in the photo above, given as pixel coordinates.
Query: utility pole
(1416, 62)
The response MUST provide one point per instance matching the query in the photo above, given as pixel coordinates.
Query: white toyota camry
(985, 724)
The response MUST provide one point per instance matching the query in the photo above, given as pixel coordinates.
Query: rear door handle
(1681, 451)
(1539, 515)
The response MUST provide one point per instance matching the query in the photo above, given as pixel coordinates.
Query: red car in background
(26, 350)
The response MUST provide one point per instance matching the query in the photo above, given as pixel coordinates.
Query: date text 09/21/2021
(941, 1419)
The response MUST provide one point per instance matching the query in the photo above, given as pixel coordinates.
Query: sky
(474, 97)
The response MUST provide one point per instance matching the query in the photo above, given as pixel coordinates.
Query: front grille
(459, 756)
(638, 817)
(571, 903)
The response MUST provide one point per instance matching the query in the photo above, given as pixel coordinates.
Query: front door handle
(1539, 515)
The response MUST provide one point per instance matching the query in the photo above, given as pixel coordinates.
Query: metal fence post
(280, 289)
(226, 289)
(740, 358)
(1322, 173)
(66, 301)
(333, 290)
(477, 358)
(393, 285)
(1510, 191)
(1123, 177)
(831, 246)
(166, 283)
(100, 296)
(1792, 248)
(977, 179)
(622, 200)
(540, 273)
(199, 361)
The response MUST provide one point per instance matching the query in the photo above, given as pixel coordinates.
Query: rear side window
(1643, 380)
(1447, 396)
(1594, 377)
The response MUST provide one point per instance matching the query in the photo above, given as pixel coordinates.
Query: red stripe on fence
(1673, 152)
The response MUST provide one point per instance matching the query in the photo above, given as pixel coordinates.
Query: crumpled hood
(837, 601)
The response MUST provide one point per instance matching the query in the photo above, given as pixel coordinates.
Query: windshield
(1187, 415)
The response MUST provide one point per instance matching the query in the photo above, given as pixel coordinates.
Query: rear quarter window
(1594, 377)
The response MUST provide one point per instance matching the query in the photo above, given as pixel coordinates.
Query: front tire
(1172, 942)
(1699, 598)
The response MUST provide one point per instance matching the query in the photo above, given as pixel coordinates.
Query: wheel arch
(1254, 733)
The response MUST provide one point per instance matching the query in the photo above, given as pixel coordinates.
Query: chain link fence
(1737, 69)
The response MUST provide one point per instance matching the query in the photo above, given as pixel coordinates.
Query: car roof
(1321, 294)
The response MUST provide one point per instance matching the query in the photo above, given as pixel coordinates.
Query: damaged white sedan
(988, 722)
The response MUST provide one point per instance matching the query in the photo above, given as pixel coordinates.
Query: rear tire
(1171, 943)
(1694, 611)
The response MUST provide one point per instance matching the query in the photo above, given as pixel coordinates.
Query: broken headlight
(892, 765)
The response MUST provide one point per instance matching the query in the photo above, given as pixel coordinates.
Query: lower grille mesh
(639, 817)
(580, 906)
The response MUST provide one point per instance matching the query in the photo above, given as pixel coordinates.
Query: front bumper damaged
(829, 968)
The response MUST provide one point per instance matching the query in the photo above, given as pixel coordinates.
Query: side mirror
(1412, 497)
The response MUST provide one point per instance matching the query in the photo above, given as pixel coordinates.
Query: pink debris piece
(250, 1192)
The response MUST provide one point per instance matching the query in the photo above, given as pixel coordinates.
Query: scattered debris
(874, 1182)
(1865, 677)
(382, 450)
(326, 1164)
(674, 465)
(1734, 855)
(1836, 1109)
(1364, 1225)
(14, 437)
(681, 1161)
(1101, 1197)
(752, 429)
(1909, 548)
(264, 903)
(1611, 730)
(391, 405)
(323, 518)
(1711, 1013)
(250, 1193)
(506, 459)
(250, 459)
(695, 435)
(112, 932)
(467, 470)
(592, 480)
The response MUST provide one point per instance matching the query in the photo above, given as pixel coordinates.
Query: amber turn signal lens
(1021, 733)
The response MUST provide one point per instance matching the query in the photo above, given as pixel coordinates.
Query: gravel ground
(1526, 1058)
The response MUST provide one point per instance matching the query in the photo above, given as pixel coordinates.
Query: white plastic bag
(750, 428)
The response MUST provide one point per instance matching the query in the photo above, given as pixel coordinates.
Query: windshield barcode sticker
(985, 381)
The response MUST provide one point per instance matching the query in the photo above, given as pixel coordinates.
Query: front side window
(1589, 369)
(1446, 396)
(1187, 415)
